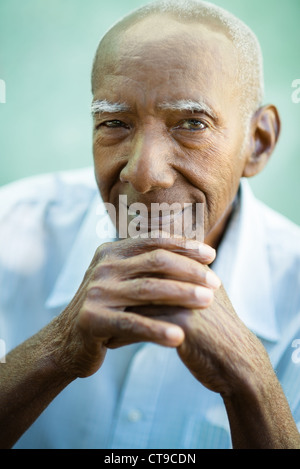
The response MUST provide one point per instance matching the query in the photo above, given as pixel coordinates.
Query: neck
(215, 236)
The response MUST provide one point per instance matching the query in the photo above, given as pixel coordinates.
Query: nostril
(123, 177)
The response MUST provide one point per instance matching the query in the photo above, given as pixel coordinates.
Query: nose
(148, 166)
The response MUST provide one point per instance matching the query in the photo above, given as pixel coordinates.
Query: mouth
(154, 220)
(176, 219)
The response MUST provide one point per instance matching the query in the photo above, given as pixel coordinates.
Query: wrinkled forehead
(163, 43)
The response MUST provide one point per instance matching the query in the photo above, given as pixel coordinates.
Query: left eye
(113, 124)
(191, 124)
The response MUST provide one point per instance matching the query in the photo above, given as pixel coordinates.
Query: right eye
(113, 124)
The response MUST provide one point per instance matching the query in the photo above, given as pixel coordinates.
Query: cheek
(214, 167)
(215, 171)
(107, 168)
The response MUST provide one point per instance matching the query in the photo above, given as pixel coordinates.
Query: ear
(264, 134)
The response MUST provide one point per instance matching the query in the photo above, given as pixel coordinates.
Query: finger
(119, 328)
(166, 264)
(191, 248)
(150, 291)
(172, 314)
(157, 311)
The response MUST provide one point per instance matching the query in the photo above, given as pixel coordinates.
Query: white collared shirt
(143, 396)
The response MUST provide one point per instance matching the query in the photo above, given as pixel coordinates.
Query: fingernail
(174, 333)
(205, 295)
(206, 251)
(212, 280)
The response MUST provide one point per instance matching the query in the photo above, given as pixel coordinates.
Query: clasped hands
(157, 290)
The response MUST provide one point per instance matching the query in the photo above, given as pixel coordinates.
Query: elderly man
(178, 360)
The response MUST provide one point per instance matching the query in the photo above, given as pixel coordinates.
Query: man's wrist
(259, 415)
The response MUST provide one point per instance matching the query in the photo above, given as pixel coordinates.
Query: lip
(186, 222)
(164, 219)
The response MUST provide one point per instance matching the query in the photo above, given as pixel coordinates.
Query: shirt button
(134, 415)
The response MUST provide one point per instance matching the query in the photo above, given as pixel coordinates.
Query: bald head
(249, 64)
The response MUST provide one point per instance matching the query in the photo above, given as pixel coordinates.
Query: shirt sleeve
(39, 219)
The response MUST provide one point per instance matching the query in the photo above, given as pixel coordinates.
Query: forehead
(164, 56)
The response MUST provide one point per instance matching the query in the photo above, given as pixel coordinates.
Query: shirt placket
(137, 408)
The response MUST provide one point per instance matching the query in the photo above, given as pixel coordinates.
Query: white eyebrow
(101, 106)
(189, 105)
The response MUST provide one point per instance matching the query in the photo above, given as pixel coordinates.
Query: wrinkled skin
(163, 290)
(153, 155)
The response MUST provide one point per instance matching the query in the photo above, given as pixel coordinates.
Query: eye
(191, 124)
(113, 124)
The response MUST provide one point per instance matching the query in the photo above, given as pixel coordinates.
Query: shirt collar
(242, 263)
(243, 266)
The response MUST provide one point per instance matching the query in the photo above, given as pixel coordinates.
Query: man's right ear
(264, 134)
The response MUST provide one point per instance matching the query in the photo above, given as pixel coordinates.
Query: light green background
(46, 54)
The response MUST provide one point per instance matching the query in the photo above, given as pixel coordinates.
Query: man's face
(178, 135)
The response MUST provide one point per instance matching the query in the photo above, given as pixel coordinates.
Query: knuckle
(92, 292)
(97, 293)
(125, 324)
(143, 287)
(102, 251)
(158, 258)
(103, 270)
